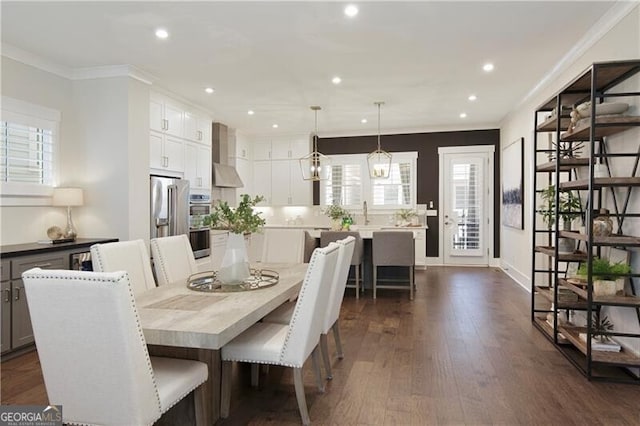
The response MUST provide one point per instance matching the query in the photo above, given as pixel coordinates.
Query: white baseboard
(518, 276)
(433, 261)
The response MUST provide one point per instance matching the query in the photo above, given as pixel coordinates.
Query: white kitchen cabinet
(254, 246)
(292, 190)
(300, 190)
(197, 128)
(289, 149)
(241, 149)
(420, 242)
(262, 151)
(166, 153)
(197, 168)
(262, 180)
(245, 171)
(166, 116)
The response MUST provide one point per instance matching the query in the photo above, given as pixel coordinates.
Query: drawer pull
(42, 265)
(7, 295)
(17, 289)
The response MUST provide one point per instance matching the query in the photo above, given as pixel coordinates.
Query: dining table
(182, 323)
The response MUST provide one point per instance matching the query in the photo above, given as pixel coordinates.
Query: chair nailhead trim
(161, 260)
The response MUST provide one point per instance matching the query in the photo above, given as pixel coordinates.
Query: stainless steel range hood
(224, 175)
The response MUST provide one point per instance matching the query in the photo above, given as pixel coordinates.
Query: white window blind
(396, 189)
(467, 205)
(26, 153)
(345, 185)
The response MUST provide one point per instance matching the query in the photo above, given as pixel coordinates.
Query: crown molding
(35, 61)
(609, 20)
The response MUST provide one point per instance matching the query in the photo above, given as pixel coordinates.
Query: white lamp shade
(67, 197)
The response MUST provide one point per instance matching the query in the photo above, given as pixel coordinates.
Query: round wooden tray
(209, 282)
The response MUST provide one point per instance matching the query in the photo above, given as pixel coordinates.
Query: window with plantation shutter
(28, 135)
(349, 184)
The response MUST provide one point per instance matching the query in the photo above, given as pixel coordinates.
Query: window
(349, 184)
(28, 136)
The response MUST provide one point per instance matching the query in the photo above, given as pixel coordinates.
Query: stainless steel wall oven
(199, 235)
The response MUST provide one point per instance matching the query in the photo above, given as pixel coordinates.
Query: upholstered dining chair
(283, 246)
(130, 256)
(358, 253)
(393, 248)
(173, 259)
(288, 345)
(93, 354)
(283, 314)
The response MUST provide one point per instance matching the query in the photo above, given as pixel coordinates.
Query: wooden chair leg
(199, 406)
(302, 401)
(255, 375)
(375, 278)
(411, 281)
(357, 268)
(336, 336)
(225, 396)
(324, 346)
(315, 357)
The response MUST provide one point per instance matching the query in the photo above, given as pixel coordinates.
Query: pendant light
(315, 166)
(379, 161)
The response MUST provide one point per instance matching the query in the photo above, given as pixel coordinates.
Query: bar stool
(327, 237)
(393, 248)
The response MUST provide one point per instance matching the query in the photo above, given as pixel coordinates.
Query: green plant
(336, 212)
(240, 220)
(568, 209)
(406, 214)
(602, 269)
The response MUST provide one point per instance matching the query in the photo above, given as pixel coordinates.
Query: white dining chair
(287, 345)
(173, 259)
(93, 353)
(283, 246)
(283, 314)
(357, 261)
(130, 256)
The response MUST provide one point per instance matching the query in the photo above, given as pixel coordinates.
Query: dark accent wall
(426, 144)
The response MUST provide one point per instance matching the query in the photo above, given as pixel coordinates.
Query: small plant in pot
(605, 276)
(569, 208)
(341, 217)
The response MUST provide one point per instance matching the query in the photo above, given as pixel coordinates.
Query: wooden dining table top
(173, 315)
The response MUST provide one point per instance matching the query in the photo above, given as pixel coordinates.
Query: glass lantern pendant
(379, 161)
(315, 166)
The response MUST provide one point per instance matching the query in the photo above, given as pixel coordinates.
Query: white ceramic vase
(234, 268)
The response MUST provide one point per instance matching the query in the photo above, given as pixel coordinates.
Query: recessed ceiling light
(463, 115)
(336, 80)
(275, 126)
(488, 67)
(162, 33)
(351, 10)
(209, 90)
(472, 97)
(250, 112)
(364, 120)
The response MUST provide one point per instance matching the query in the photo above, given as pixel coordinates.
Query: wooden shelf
(611, 240)
(622, 358)
(579, 256)
(551, 124)
(547, 293)
(548, 329)
(583, 184)
(610, 126)
(566, 164)
(631, 301)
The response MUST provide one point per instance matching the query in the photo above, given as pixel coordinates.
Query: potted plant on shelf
(406, 217)
(234, 268)
(569, 208)
(341, 217)
(607, 276)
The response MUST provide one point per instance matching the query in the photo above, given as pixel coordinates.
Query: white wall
(621, 42)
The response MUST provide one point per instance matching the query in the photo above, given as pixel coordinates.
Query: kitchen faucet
(364, 211)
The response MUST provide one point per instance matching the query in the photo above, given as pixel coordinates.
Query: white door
(466, 215)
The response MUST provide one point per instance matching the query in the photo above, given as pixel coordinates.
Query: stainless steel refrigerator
(169, 206)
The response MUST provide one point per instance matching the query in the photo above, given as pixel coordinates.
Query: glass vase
(234, 269)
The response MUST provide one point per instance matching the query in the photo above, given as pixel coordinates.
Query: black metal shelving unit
(552, 293)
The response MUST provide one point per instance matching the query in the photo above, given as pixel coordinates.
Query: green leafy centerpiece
(341, 217)
(234, 269)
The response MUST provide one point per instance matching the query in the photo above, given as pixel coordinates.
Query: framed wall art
(513, 184)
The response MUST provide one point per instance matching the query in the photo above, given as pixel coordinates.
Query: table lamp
(68, 197)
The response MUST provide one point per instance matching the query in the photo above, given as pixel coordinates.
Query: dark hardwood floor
(463, 352)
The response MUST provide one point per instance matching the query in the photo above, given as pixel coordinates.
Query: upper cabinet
(197, 128)
(166, 116)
